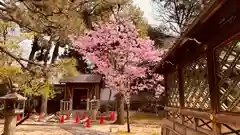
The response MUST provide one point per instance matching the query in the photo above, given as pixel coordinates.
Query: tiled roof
(83, 78)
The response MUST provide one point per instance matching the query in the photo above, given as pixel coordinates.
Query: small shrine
(79, 91)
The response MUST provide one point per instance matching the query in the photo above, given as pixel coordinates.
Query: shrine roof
(83, 78)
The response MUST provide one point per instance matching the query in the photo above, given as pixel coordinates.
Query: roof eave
(213, 6)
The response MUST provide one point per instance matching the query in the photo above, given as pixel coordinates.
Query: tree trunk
(87, 19)
(120, 110)
(109, 98)
(46, 55)
(45, 96)
(10, 124)
(128, 119)
(55, 53)
(44, 105)
(35, 48)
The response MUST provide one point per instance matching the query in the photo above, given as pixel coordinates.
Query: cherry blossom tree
(151, 82)
(118, 52)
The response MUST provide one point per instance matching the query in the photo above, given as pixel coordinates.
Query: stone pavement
(78, 130)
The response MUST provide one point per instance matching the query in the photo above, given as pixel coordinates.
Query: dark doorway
(80, 99)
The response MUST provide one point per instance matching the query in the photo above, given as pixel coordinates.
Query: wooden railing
(65, 106)
(227, 118)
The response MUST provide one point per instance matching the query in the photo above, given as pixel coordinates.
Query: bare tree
(177, 14)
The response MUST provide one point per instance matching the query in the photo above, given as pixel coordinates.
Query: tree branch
(18, 59)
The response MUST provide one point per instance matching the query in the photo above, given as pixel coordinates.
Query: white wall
(105, 94)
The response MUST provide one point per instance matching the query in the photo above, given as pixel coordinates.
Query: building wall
(138, 101)
(105, 94)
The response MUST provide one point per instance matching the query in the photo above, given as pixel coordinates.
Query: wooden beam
(181, 86)
(230, 119)
(213, 89)
(189, 112)
(181, 90)
(165, 92)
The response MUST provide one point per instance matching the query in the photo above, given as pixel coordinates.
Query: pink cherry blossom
(117, 51)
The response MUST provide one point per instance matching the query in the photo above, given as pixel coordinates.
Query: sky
(146, 7)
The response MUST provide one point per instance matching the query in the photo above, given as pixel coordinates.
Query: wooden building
(79, 90)
(202, 74)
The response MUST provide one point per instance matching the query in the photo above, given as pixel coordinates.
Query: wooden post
(166, 92)
(64, 106)
(44, 104)
(87, 104)
(71, 94)
(99, 91)
(24, 104)
(181, 90)
(61, 108)
(213, 89)
(65, 91)
(95, 91)
(70, 105)
(10, 124)
(196, 121)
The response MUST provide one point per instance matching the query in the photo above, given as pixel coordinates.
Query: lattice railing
(196, 90)
(228, 72)
(229, 130)
(188, 119)
(205, 124)
(174, 116)
(173, 92)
